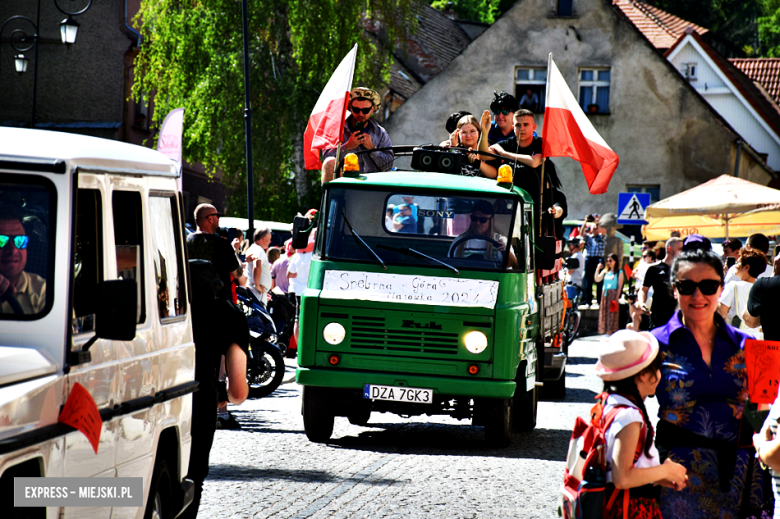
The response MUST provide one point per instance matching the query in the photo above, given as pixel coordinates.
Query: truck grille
(372, 333)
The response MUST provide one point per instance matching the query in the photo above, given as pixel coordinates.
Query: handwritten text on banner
(401, 288)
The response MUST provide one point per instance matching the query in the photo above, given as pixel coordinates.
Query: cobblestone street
(395, 467)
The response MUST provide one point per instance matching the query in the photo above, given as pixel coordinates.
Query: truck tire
(317, 416)
(525, 410)
(498, 421)
(556, 390)
(359, 416)
(160, 500)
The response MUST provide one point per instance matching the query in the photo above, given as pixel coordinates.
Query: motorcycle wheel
(265, 370)
(572, 326)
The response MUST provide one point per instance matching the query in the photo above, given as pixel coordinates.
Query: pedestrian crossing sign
(631, 208)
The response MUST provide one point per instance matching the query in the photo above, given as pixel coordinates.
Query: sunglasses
(20, 241)
(687, 287)
(502, 112)
(356, 110)
(480, 219)
(218, 215)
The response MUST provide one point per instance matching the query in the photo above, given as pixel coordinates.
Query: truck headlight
(334, 333)
(476, 342)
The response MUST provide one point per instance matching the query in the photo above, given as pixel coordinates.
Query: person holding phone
(361, 133)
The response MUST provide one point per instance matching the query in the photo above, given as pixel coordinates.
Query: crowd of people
(702, 458)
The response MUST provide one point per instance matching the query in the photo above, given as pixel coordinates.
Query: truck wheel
(557, 389)
(158, 505)
(498, 421)
(359, 416)
(525, 411)
(317, 416)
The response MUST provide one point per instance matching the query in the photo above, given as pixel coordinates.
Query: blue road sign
(631, 208)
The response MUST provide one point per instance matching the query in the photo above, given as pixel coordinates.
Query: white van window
(26, 246)
(88, 265)
(167, 256)
(128, 237)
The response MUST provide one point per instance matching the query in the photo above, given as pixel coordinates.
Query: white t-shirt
(299, 264)
(623, 418)
(576, 274)
(743, 293)
(265, 273)
(731, 274)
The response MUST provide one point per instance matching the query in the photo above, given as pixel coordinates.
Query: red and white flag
(326, 123)
(567, 132)
(170, 140)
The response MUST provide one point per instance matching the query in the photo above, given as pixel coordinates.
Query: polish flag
(326, 123)
(567, 132)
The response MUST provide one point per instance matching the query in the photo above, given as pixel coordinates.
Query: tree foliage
(486, 11)
(192, 57)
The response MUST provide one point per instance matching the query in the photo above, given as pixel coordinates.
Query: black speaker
(436, 161)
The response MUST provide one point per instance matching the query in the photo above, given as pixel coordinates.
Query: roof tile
(765, 71)
(660, 27)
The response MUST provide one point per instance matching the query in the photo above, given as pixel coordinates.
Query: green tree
(769, 28)
(486, 11)
(192, 57)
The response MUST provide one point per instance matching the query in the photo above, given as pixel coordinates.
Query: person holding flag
(361, 133)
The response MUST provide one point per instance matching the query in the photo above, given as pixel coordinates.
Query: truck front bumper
(450, 386)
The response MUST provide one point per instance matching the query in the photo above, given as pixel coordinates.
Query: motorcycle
(265, 360)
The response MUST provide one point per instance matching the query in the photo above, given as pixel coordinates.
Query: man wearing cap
(576, 265)
(755, 241)
(503, 107)
(403, 221)
(361, 133)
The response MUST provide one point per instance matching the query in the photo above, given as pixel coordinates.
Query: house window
(653, 189)
(564, 7)
(530, 88)
(689, 71)
(594, 90)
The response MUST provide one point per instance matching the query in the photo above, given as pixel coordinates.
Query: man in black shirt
(763, 307)
(524, 153)
(219, 328)
(658, 277)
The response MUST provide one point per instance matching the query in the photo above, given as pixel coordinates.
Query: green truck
(424, 298)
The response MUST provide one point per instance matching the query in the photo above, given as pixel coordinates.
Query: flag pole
(336, 172)
(541, 185)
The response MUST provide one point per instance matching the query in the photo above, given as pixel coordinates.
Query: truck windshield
(408, 228)
(26, 247)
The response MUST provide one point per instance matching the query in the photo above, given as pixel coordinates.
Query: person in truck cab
(27, 289)
(482, 225)
(361, 133)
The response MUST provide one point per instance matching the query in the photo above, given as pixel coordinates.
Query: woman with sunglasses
(701, 396)
(613, 279)
(469, 136)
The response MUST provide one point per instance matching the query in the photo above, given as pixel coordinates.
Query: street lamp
(21, 41)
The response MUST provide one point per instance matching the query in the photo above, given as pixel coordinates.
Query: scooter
(265, 360)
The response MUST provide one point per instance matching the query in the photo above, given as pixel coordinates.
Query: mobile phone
(730, 261)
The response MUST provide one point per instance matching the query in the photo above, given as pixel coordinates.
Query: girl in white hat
(630, 365)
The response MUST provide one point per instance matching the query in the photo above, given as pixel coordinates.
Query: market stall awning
(725, 206)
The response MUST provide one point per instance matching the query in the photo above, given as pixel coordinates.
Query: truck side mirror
(116, 313)
(545, 252)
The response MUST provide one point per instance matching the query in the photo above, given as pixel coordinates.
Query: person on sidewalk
(657, 278)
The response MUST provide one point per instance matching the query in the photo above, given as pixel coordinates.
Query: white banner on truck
(401, 288)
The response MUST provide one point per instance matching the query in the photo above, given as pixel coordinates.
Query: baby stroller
(283, 313)
(265, 360)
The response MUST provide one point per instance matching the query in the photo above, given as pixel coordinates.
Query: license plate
(398, 394)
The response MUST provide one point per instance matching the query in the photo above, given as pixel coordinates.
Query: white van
(101, 300)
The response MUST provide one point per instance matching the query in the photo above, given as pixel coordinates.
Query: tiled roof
(660, 27)
(436, 41)
(767, 108)
(765, 71)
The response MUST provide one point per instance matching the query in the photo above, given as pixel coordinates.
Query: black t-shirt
(471, 169)
(664, 303)
(764, 302)
(522, 171)
(219, 252)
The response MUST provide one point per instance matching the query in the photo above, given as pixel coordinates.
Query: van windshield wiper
(418, 254)
(360, 240)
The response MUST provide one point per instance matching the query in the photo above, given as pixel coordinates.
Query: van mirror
(117, 310)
